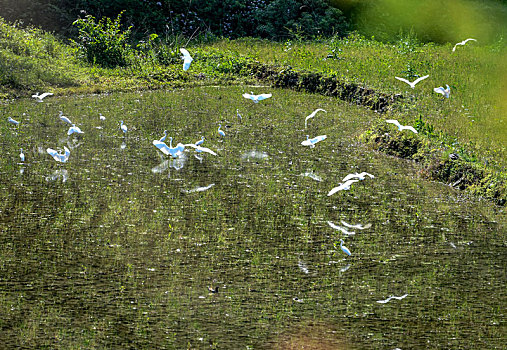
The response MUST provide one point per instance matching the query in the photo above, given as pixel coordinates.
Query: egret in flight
(199, 148)
(311, 142)
(358, 226)
(74, 129)
(12, 121)
(65, 119)
(344, 249)
(412, 84)
(313, 115)
(59, 157)
(187, 59)
(401, 127)
(359, 176)
(392, 297)
(40, 98)
(462, 43)
(445, 92)
(257, 98)
(343, 186)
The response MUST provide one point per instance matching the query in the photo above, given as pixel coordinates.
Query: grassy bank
(471, 124)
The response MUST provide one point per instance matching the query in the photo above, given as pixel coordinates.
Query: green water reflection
(117, 247)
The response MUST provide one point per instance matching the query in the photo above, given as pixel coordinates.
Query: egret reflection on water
(392, 297)
(254, 155)
(341, 187)
(357, 226)
(312, 176)
(58, 174)
(199, 189)
(339, 228)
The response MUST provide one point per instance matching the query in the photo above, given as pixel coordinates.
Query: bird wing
(53, 154)
(65, 119)
(404, 80)
(248, 96)
(45, 95)
(408, 127)
(186, 54)
(439, 90)
(161, 146)
(263, 97)
(307, 142)
(419, 79)
(319, 138)
(467, 40)
(364, 173)
(202, 149)
(349, 182)
(350, 176)
(399, 298)
(384, 301)
(334, 190)
(393, 121)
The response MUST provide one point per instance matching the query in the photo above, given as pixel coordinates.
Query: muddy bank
(438, 164)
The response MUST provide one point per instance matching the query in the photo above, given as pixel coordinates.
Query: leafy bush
(103, 42)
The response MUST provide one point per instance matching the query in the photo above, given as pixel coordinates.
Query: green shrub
(103, 42)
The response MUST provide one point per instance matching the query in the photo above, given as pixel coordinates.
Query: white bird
(342, 186)
(187, 59)
(168, 150)
(200, 142)
(123, 127)
(344, 249)
(358, 226)
(462, 43)
(240, 118)
(220, 131)
(392, 297)
(359, 176)
(12, 121)
(59, 157)
(401, 127)
(200, 149)
(342, 229)
(311, 142)
(445, 92)
(40, 98)
(312, 175)
(101, 117)
(257, 98)
(313, 115)
(199, 189)
(162, 139)
(74, 129)
(412, 84)
(22, 156)
(65, 119)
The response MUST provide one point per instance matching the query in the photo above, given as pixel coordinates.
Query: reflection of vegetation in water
(118, 254)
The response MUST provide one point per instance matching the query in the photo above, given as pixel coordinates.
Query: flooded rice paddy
(122, 247)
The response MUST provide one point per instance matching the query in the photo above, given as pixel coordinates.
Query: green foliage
(103, 42)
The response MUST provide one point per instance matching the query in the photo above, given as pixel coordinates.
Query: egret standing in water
(240, 118)
(187, 59)
(64, 118)
(312, 115)
(22, 156)
(220, 131)
(344, 249)
(123, 127)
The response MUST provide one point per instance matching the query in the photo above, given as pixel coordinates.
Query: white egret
(311, 142)
(462, 43)
(240, 118)
(22, 156)
(359, 176)
(358, 226)
(342, 186)
(162, 139)
(445, 92)
(401, 127)
(74, 129)
(187, 59)
(220, 131)
(412, 84)
(64, 118)
(12, 121)
(345, 268)
(101, 117)
(302, 266)
(168, 150)
(59, 157)
(312, 115)
(40, 98)
(199, 148)
(123, 127)
(200, 142)
(257, 98)
(392, 297)
(344, 249)
(342, 229)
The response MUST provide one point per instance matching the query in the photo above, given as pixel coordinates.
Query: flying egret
(12, 121)
(220, 131)
(392, 297)
(257, 98)
(123, 127)
(311, 142)
(401, 127)
(162, 139)
(168, 150)
(359, 176)
(64, 118)
(101, 117)
(187, 59)
(74, 129)
(445, 92)
(199, 148)
(357, 226)
(412, 84)
(312, 115)
(59, 157)
(344, 249)
(342, 229)
(40, 98)
(22, 156)
(342, 186)
(462, 43)
(240, 118)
